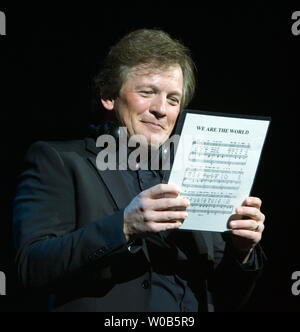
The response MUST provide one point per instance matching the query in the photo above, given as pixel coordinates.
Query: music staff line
(211, 181)
(219, 155)
(209, 187)
(208, 170)
(217, 162)
(216, 144)
(207, 195)
(221, 206)
(209, 211)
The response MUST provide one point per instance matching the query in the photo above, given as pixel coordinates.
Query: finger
(169, 195)
(161, 189)
(170, 204)
(250, 224)
(253, 201)
(165, 216)
(161, 227)
(251, 212)
(254, 237)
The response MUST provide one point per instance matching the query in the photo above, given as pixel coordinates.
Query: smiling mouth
(153, 125)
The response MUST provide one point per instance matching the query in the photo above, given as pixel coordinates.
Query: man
(109, 240)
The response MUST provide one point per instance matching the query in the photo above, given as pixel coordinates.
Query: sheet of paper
(215, 165)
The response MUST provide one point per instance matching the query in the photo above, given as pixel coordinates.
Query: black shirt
(169, 292)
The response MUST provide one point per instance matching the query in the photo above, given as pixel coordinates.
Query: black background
(247, 63)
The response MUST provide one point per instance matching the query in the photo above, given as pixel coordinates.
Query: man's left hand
(247, 226)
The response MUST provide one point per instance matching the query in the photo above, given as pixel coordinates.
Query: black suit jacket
(68, 227)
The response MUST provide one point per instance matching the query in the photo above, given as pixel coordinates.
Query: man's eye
(174, 100)
(146, 93)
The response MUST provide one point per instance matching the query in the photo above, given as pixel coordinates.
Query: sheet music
(215, 165)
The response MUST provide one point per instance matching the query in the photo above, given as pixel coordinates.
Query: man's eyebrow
(146, 85)
(155, 88)
(175, 93)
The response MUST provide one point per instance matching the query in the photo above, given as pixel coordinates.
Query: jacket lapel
(113, 179)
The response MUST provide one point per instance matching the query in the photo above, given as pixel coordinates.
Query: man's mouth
(153, 125)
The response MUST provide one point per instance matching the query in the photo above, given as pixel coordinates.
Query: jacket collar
(114, 180)
(90, 145)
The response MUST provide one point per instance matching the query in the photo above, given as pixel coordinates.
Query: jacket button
(146, 284)
(102, 250)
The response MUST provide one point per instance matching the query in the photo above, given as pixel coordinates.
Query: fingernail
(233, 224)
(178, 188)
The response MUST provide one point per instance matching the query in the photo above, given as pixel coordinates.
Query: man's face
(149, 102)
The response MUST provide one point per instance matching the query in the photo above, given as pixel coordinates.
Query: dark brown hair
(152, 47)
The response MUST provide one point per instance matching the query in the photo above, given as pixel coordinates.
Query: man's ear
(108, 104)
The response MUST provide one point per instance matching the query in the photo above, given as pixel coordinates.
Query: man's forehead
(150, 69)
(147, 75)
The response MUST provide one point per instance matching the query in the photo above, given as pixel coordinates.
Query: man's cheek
(172, 121)
(137, 103)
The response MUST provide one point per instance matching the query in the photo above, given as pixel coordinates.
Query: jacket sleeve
(232, 283)
(49, 247)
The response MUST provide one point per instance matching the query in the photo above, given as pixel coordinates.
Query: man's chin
(149, 139)
(156, 142)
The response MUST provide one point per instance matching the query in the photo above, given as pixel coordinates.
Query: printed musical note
(219, 166)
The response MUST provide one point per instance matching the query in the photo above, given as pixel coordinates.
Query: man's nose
(158, 106)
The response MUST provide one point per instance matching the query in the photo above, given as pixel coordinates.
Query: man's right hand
(155, 210)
